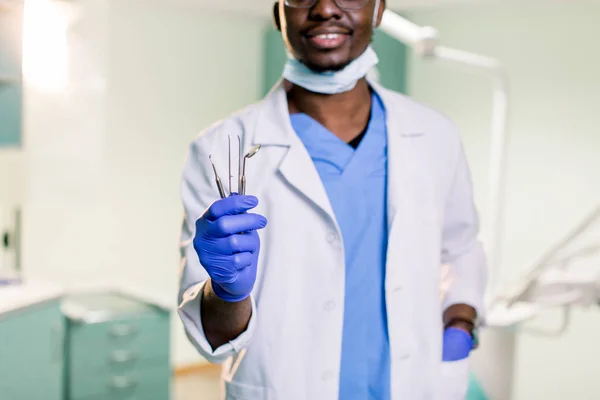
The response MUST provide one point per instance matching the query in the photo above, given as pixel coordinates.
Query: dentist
(367, 195)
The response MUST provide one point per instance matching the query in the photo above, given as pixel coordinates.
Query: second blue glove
(228, 245)
(457, 344)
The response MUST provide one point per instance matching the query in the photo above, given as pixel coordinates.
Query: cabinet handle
(122, 330)
(122, 382)
(122, 356)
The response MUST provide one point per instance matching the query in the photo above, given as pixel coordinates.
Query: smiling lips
(328, 40)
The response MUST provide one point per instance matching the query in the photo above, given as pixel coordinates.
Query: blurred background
(99, 100)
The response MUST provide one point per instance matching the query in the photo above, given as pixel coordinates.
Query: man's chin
(330, 66)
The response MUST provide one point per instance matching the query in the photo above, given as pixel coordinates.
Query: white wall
(554, 168)
(103, 160)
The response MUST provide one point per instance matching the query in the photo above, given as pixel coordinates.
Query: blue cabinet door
(32, 353)
(11, 88)
(10, 114)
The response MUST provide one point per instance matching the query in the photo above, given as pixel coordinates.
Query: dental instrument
(241, 168)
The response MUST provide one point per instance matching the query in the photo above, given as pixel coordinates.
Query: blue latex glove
(227, 245)
(458, 344)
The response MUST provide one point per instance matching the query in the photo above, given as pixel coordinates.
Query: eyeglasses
(342, 4)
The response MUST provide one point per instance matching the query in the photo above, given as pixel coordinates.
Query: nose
(324, 10)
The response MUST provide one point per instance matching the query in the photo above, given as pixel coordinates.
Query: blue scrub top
(355, 181)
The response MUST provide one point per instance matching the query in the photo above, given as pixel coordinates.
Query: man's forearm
(223, 321)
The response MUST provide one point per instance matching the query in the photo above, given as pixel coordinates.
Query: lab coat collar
(405, 132)
(274, 128)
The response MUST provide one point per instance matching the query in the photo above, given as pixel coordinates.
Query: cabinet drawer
(158, 392)
(144, 384)
(115, 369)
(96, 347)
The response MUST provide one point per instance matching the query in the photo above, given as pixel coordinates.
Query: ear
(381, 8)
(276, 17)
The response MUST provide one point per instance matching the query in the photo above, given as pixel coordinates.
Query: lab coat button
(329, 306)
(394, 289)
(331, 237)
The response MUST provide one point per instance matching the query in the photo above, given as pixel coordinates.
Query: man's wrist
(466, 326)
(464, 317)
(461, 312)
(224, 295)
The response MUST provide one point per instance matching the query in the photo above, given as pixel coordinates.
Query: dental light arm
(423, 39)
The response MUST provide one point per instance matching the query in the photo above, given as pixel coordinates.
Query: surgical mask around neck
(330, 82)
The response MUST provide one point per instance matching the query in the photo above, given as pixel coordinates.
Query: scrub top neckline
(326, 147)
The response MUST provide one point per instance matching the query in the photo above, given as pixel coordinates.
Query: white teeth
(329, 36)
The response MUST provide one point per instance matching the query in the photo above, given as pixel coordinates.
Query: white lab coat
(292, 347)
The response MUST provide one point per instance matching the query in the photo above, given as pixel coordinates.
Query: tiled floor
(202, 385)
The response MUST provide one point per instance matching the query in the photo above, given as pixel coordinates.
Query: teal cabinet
(392, 67)
(118, 349)
(11, 88)
(31, 353)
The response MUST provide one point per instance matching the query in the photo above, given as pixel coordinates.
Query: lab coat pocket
(242, 391)
(454, 382)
